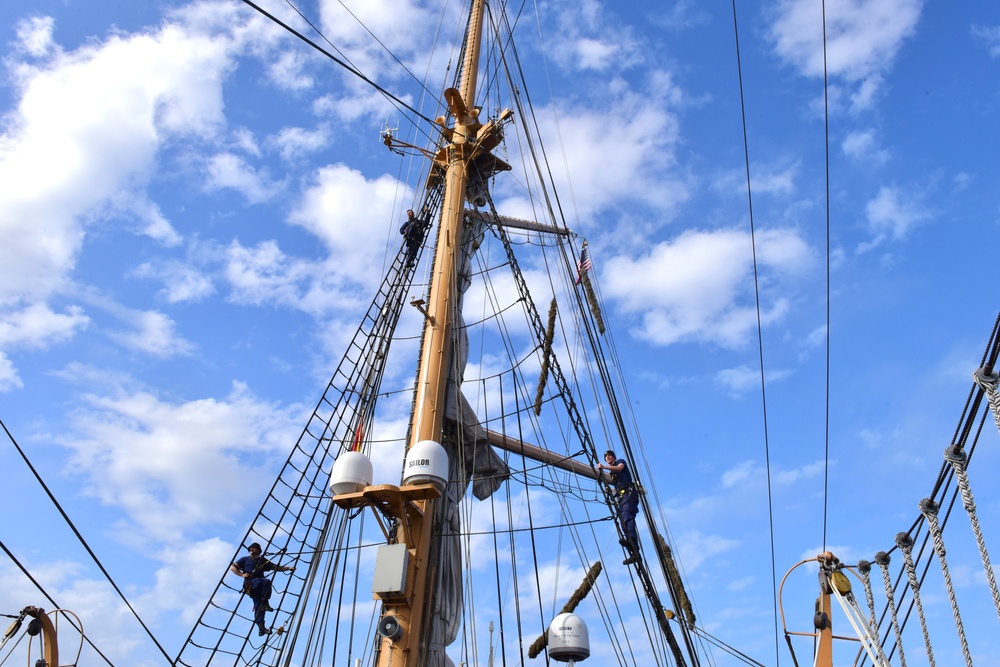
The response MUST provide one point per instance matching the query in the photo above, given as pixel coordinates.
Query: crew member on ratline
(255, 584)
(627, 499)
(413, 232)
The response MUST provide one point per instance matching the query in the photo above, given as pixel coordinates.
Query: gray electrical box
(390, 570)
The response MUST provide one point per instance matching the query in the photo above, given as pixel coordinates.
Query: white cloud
(363, 102)
(152, 333)
(748, 472)
(245, 140)
(862, 146)
(816, 337)
(349, 214)
(9, 378)
(287, 71)
(199, 582)
(81, 143)
(172, 467)
(695, 548)
(370, 33)
(808, 471)
(863, 39)
(294, 141)
(682, 15)
(989, 35)
(892, 215)
(228, 170)
(182, 282)
(155, 225)
(603, 173)
(696, 287)
(739, 474)
(262, 274)
(589, 38)
(38, 326)
(595, 54)
(764, 179)
(34, 35)
(744, 378)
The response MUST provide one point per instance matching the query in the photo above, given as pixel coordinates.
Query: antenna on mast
(387, 134)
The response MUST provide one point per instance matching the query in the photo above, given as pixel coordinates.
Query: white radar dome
(426, 463)
(568, 638)
(352, 472)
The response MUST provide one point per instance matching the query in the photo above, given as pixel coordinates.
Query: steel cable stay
(546, 198)
(577, 419)
(83, 542)
(521, 411)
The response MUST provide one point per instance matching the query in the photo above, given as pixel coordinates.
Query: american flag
(583, 266)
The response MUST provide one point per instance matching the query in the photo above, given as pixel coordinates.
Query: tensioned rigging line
(393, 98)
(760, 339)
(48, 597)
(642, 609)
(725, 647)
(646, 584)
(538, 165)
(616, 606)
(379, 41)
(826, 151)
(83, 542)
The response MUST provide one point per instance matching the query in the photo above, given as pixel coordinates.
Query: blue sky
(195, 208)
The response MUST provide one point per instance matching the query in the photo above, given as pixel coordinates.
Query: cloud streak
(695, 287)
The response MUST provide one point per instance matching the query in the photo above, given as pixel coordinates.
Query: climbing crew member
(413, 232)
(627, 499)
(255, 584)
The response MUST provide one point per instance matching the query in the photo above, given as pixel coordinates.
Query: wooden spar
(518, 223)
(407, 649)
(536, 453)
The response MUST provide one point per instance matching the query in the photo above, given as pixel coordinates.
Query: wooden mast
(415, 525)
(435, 357)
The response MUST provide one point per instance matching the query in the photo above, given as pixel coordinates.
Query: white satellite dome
(426, 463)
(352, 472)
(568, 638)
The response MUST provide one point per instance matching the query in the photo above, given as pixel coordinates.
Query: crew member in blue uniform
(627, 499)
(413, 234)
(255, 584)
